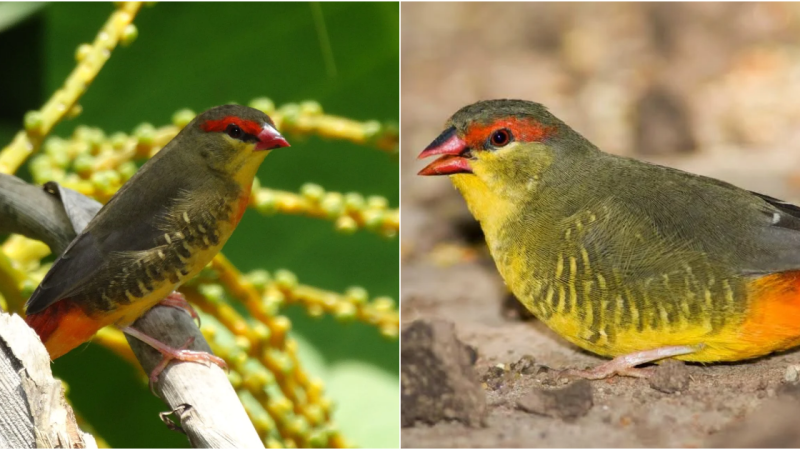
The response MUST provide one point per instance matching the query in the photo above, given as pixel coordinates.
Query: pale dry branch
(33, 410)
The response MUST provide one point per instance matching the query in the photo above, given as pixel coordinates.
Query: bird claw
(182, 354)
(606, 370)
(625, 365)
(177, 300)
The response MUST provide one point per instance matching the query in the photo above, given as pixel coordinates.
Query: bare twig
(211, 413)
(30, 211)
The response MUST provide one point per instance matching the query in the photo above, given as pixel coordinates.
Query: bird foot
(169, 354)
(625, 365)
(177, 300)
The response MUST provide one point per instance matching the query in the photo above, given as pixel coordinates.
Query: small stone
(438, 380)
(496, 376)
(567, 403)
(525, 366)
(791, 374)
(670, 377)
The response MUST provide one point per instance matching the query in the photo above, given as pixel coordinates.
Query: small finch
(622, 258)
(162, 227)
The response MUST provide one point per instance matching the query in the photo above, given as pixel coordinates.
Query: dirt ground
(711, 89)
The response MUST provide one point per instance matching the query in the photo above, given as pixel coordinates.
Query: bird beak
(452, 148)
(269, 138)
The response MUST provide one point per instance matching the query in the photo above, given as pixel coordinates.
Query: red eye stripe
(248, 126)
(523, 129)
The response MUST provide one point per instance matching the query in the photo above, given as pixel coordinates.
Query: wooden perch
(201, 396)
(203, 399)
(33, 410)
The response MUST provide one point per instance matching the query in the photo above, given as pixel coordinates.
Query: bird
(625, 259)
(157, 232)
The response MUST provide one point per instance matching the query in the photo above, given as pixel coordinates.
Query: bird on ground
(625, 259)
(157, 232)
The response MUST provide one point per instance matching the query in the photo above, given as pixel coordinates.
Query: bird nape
(626, 259)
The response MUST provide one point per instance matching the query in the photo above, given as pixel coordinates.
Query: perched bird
(158, 231)
(622, 258)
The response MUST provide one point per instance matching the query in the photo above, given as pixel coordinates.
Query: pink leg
(170, 353)
(177, 300)
(625, 365)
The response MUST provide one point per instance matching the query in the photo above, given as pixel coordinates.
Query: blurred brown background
(711, 88)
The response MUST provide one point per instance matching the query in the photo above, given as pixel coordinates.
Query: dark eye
(234, 131)
(500, 138)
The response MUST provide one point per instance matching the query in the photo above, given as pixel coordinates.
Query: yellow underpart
(493, 198)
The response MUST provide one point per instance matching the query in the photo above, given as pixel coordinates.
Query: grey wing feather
(777, 243)
(138, 209)
(79, 262)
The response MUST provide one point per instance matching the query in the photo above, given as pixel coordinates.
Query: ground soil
(597, 68)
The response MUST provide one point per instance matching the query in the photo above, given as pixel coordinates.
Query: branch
(210, 411)
(30, 211)
(201, 396)
(34, 411)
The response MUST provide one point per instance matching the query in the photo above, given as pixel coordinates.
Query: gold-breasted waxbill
(158, 231)
(625, 259)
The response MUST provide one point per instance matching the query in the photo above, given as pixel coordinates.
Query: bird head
(497, 150)
(499, 133)
(230, 138)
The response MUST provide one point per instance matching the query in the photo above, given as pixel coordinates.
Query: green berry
(290, 113)
(285, 279)
(145, 133)
(84, 163)
(357, 295)
(213, 292)
(333, 204)
(129, 34)
(346, 225)
(377, 202)
(127, 170)
(82, 52)
(313, 192)
(345, 312)
(373, 219)
(311, 108)
(263, 104)
(182, 118)
(266, 201)
(33, 121)
(258, 278)
(354, 201)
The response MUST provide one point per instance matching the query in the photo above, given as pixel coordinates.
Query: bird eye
(234, 131)
(500, 138)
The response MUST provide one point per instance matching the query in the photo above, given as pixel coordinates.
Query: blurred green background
(198, 55)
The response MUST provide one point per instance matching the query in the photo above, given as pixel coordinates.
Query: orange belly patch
(63, 326)
(773, 319)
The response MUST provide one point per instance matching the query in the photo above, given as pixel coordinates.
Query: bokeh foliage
(204, 54)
